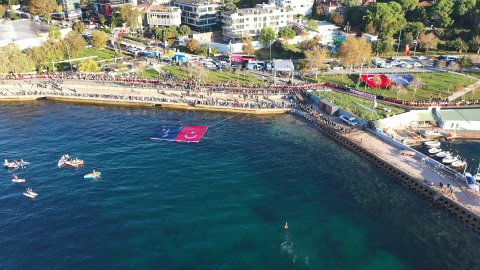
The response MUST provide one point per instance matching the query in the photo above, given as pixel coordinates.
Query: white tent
(283, 66)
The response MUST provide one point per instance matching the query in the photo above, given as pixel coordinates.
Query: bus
(242, 59)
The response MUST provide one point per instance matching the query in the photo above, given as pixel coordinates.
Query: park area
(433, 85)
(357, 105)
(185, 73)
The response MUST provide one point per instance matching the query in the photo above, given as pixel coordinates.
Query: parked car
(349, 120)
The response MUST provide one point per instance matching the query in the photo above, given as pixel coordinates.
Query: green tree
(89, 65)
(203, 49)
(247, 46)
(79, 27)
(315, 60)
(408, 5)
(475, 44)
(13, 60)
(267, 36)
(309, 44)
(130, 15)
(43, 8)
(465, 62)
(54, 33)
(74, 42)
(2, 12)
(387, 18)
(312, 25)
(460, 45)
(286, 33)
(184, 30)
(193, 46)
(441, 13)
(99, 39)
(337, 18)
(382, 46)
(428, 41)
(416, 28)
(355, 51)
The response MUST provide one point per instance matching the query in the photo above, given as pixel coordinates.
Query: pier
(412, 168)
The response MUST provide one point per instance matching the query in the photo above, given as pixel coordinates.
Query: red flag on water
(191, 134)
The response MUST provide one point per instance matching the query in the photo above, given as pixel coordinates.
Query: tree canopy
(286, 33)
(89, 65)
(354, 51)
(247, 46)
(130, 16)
(43, 8)
(13, 60)
(267, 36)
(387, 18)
(99, 39)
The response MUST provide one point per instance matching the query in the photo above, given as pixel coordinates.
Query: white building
(459, 119)
(160, 16)
(299, 7)
(250, 21)
(200, 15)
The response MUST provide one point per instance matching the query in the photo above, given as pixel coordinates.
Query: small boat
(443, 154)
(459, 164)
(75, 163)
(92, 175)
(432, 144)
(30, 193)
(63, 159)
(449, 159)
(434, 151)
(433, 134)
(471, 182)
(15, 164)
(15, 179)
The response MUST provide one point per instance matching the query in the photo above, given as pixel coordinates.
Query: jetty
(440, 184)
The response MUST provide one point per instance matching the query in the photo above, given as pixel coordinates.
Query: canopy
(283, 65)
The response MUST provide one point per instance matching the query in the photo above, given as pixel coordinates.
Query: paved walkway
(424, 170)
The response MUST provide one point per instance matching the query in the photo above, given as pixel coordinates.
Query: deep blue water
(218, 204)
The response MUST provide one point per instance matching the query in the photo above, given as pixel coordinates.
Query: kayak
(74, 163)
(92, 175)
(19, 180)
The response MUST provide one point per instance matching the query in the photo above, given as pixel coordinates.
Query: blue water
(218, 204)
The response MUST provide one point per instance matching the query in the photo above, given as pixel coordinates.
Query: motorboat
(434, 151)
(15, 179)
(15, 164)
(29, 193)
(458, 164)
(92, 175)
(449, 159)
(443, 154)
(471, 182)
(432, 144)
(74, 163)
(63, 159)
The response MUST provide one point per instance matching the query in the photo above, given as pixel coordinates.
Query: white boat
(434, 150)
(18, 180)
(432, 144)
(92, 175)
(471, 182)
(29, 193)
(459, 164)
(63, 159)
(443, 154)
(449, 159)
(433, 133)
(15, 164)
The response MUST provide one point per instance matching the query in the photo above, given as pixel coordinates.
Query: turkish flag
(191, 134)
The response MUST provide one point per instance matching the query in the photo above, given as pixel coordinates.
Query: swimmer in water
(286, 226)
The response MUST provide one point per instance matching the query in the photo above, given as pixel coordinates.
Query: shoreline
(166, 105)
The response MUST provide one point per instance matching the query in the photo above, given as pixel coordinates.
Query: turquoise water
(219, 204)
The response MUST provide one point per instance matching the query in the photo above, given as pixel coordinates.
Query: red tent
(382, 83)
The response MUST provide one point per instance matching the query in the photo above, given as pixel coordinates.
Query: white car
(417, 64)
(349, 120)
(422, 57)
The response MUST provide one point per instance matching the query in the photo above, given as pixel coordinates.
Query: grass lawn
(213, 76)
(348, 103)
(148, 73)
(436, 84)
(101, 54)
(474, 74)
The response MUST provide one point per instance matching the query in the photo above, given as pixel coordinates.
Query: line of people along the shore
(229, 87)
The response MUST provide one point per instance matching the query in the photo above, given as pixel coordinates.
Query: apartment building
(200, 15)
(250, 21)
(159, 15)
(299, 7)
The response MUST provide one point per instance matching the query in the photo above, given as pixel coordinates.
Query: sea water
(218, 204)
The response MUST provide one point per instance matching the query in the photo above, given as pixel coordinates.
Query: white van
(349, 120)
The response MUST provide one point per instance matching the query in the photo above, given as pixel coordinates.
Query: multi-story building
(250, 21)
(70, 5)
(105, 7)
(300, 7)
(200, 15)
(158, 15)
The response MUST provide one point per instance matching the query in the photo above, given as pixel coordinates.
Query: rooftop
(198, 2)
(460, 115)
(155, 8)
(258, 9)
(331, 4)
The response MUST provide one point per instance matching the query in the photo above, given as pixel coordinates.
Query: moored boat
(471, 182)
(434, 151)
(92, 175)
(432, 144)
(433, 134)
(459, 164)
(449, 159)
(443, 154)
